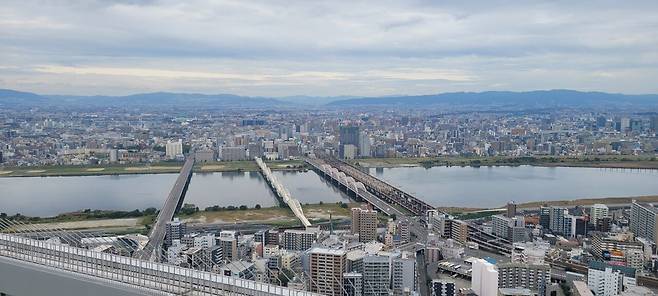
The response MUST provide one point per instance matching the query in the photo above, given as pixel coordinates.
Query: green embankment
(156, 168)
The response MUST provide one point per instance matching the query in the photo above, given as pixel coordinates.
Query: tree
(243, 207)
(257, 207)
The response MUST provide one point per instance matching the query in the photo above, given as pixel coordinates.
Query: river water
(440, 186)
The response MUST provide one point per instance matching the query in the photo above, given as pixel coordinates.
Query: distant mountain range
(531, 99)
(540, 98)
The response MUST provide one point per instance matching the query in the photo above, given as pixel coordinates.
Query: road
(174, 200)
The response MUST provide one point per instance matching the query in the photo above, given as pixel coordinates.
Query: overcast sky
(327, 48)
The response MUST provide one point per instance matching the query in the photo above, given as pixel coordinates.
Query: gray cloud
(327, 47)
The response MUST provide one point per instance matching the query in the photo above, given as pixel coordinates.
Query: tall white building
(173, 149)
(597, 212)
(364, 145)
(484, 278)
(644, 221)
(609, 280)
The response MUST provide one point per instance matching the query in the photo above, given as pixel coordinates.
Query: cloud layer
(279, 48)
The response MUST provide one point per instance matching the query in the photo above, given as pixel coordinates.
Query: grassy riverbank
(140, 221)
(606, 161)
(156, 168)
(279, 216)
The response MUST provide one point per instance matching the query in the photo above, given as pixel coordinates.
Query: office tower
(601, 121)
(623, 124)
(174, 230)
(404, 275)
(511, 209)
(326, 268)
(557, 219)
(545, 218)
(644, 220)
(174, 149)
(364, 145)
(521, 275)
(597, 212)
(299, 240)
(654, 123)
(484, 278)
(353, 284)
(568, 226)
(348, 135)
(609, 280)
(376, 276)
(443, 288)
(364, 222)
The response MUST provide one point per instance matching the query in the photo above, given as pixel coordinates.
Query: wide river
(440, 186)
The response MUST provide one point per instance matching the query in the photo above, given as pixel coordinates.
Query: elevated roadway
(172, 205)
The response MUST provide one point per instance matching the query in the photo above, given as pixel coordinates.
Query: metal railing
(152, 277)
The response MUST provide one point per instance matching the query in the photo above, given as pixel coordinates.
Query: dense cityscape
(42, 138)
(386, 246)
(328, 148)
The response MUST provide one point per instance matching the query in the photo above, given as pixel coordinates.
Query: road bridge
(172, 205)
(282, 192)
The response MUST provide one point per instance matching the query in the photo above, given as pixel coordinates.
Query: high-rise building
(511, 209)
(609, 280)
(326, 268)
(654, 124)
(456, 230)
(521, 275)
(545, 217)
(376, 276)
(484, 278)
(299, 240)
(349, 151)
(597, 212)
(364, 145)
(174, 230)
(404, 275)
(364, 222)
(353, 284)
(500, 226)
(644, 221)
(557, 219)
(174, 149)
(348, 135)
(443, 288)
(229, 244)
